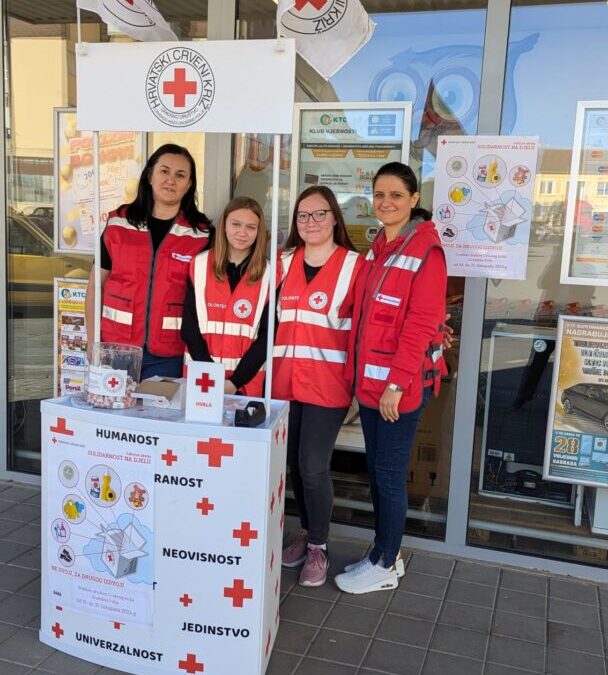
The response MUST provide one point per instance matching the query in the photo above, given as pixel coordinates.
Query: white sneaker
(399, 565)
(366, 578)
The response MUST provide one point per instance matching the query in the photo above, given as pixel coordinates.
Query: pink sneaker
(314, 572)
(295, 554)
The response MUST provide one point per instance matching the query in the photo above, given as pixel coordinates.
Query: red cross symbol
(491, 227)
(205, 506)
(54, 439)
(443, 141)
(268, 643)
(216, 450)
(205, 383)
(117, 625)
(243, 308)
(113, 382)
(238, 592)
(281, 485)
(191, 665)
(317, 4)
(169, 457)
(58, 630)
(61, 427)
(272, 503)
(245, 534)
(110, 557)
(271, 560)
(58, 608)
(186, 600)
(179, 87)
(317, 300)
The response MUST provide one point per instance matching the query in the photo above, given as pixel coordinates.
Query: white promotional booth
(161, 537)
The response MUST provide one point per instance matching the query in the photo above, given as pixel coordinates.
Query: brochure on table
(342, 146)
(576, 448)
(482, 203)
(585, 250)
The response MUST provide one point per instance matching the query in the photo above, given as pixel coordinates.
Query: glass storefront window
(40, 76)
(553, 57)
(433, 59)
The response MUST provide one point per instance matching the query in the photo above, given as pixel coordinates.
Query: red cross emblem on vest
(318, 300)
(242, 308)
(179, 87)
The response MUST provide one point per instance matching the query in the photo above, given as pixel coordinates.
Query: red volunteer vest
(229, 321)
(143, 297)
(378, 353)
(314, 322)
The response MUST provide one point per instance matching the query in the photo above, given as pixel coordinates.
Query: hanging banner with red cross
(205, 392)
(187, 86)
(217, 518)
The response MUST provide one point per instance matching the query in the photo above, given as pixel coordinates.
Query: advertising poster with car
(576, 447)
(342, 148)
(482, 203)
(70, 336)
(121, 154)
(99, 517)
(585, 251)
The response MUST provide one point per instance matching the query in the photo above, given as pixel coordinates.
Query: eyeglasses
(318, 216)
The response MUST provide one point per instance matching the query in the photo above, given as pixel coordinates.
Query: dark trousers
(387, 447)
(165, 366)
(312, 436)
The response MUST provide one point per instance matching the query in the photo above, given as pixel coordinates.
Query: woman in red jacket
(314, 309)
(395, 359)
(146, 249)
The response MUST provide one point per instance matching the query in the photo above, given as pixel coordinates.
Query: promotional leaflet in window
(576, 447)
(342, 148)
(585, 253)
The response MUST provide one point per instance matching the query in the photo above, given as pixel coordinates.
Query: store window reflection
(433, 59)
(511, 506)
(40, 76)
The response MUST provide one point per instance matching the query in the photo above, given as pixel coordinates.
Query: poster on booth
(99, 518)
(482, 203)
(576, 448)
(70, 336)
(342, 148)
(122, 155)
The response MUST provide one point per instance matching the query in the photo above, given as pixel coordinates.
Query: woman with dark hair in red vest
(314, 309)
(395, 360)
(146, 249)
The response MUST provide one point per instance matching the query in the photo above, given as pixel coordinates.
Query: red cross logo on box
(205, 383)
(245, 534)
(179, 87)
(186, 600)
(191, 665)
(169, 457)
(205, 506)
(58, 630)
(61, 427)
(215, 450)
(238, 592)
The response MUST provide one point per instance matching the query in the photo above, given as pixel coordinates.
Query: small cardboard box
(121, 549)
(162, 392)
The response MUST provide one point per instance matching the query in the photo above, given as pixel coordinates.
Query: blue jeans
(165, 366)
(387, 447)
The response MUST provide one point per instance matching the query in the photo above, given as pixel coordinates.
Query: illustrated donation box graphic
(122, 549)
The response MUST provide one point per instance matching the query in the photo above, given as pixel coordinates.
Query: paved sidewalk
(448, 617)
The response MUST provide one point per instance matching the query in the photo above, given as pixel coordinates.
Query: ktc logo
(310, 17)
(180, 87)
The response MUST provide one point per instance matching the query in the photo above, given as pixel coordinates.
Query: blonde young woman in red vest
(314, 309)
(225, 314)
(146, 249)
(395, 359)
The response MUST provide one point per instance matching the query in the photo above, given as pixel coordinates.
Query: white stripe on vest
(376, 372)
(306, 352)
(403, 262)
(117, 315)
(172, 322)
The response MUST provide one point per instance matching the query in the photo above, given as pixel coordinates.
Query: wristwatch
(394, 387)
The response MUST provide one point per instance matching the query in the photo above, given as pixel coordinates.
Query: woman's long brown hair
(257, 261)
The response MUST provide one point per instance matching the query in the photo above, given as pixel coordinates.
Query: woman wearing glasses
(314, 309)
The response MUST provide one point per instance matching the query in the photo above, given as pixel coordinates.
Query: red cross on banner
(281, 485)
(205, 506)
(245, 533)
(191, 665)
(169, 457)
(317, 4)
(186, 600)
(238, 592)
(61, 427)
(58, 630)
(179, 87)
(117, 625)
(205, 383)
(215, 450)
